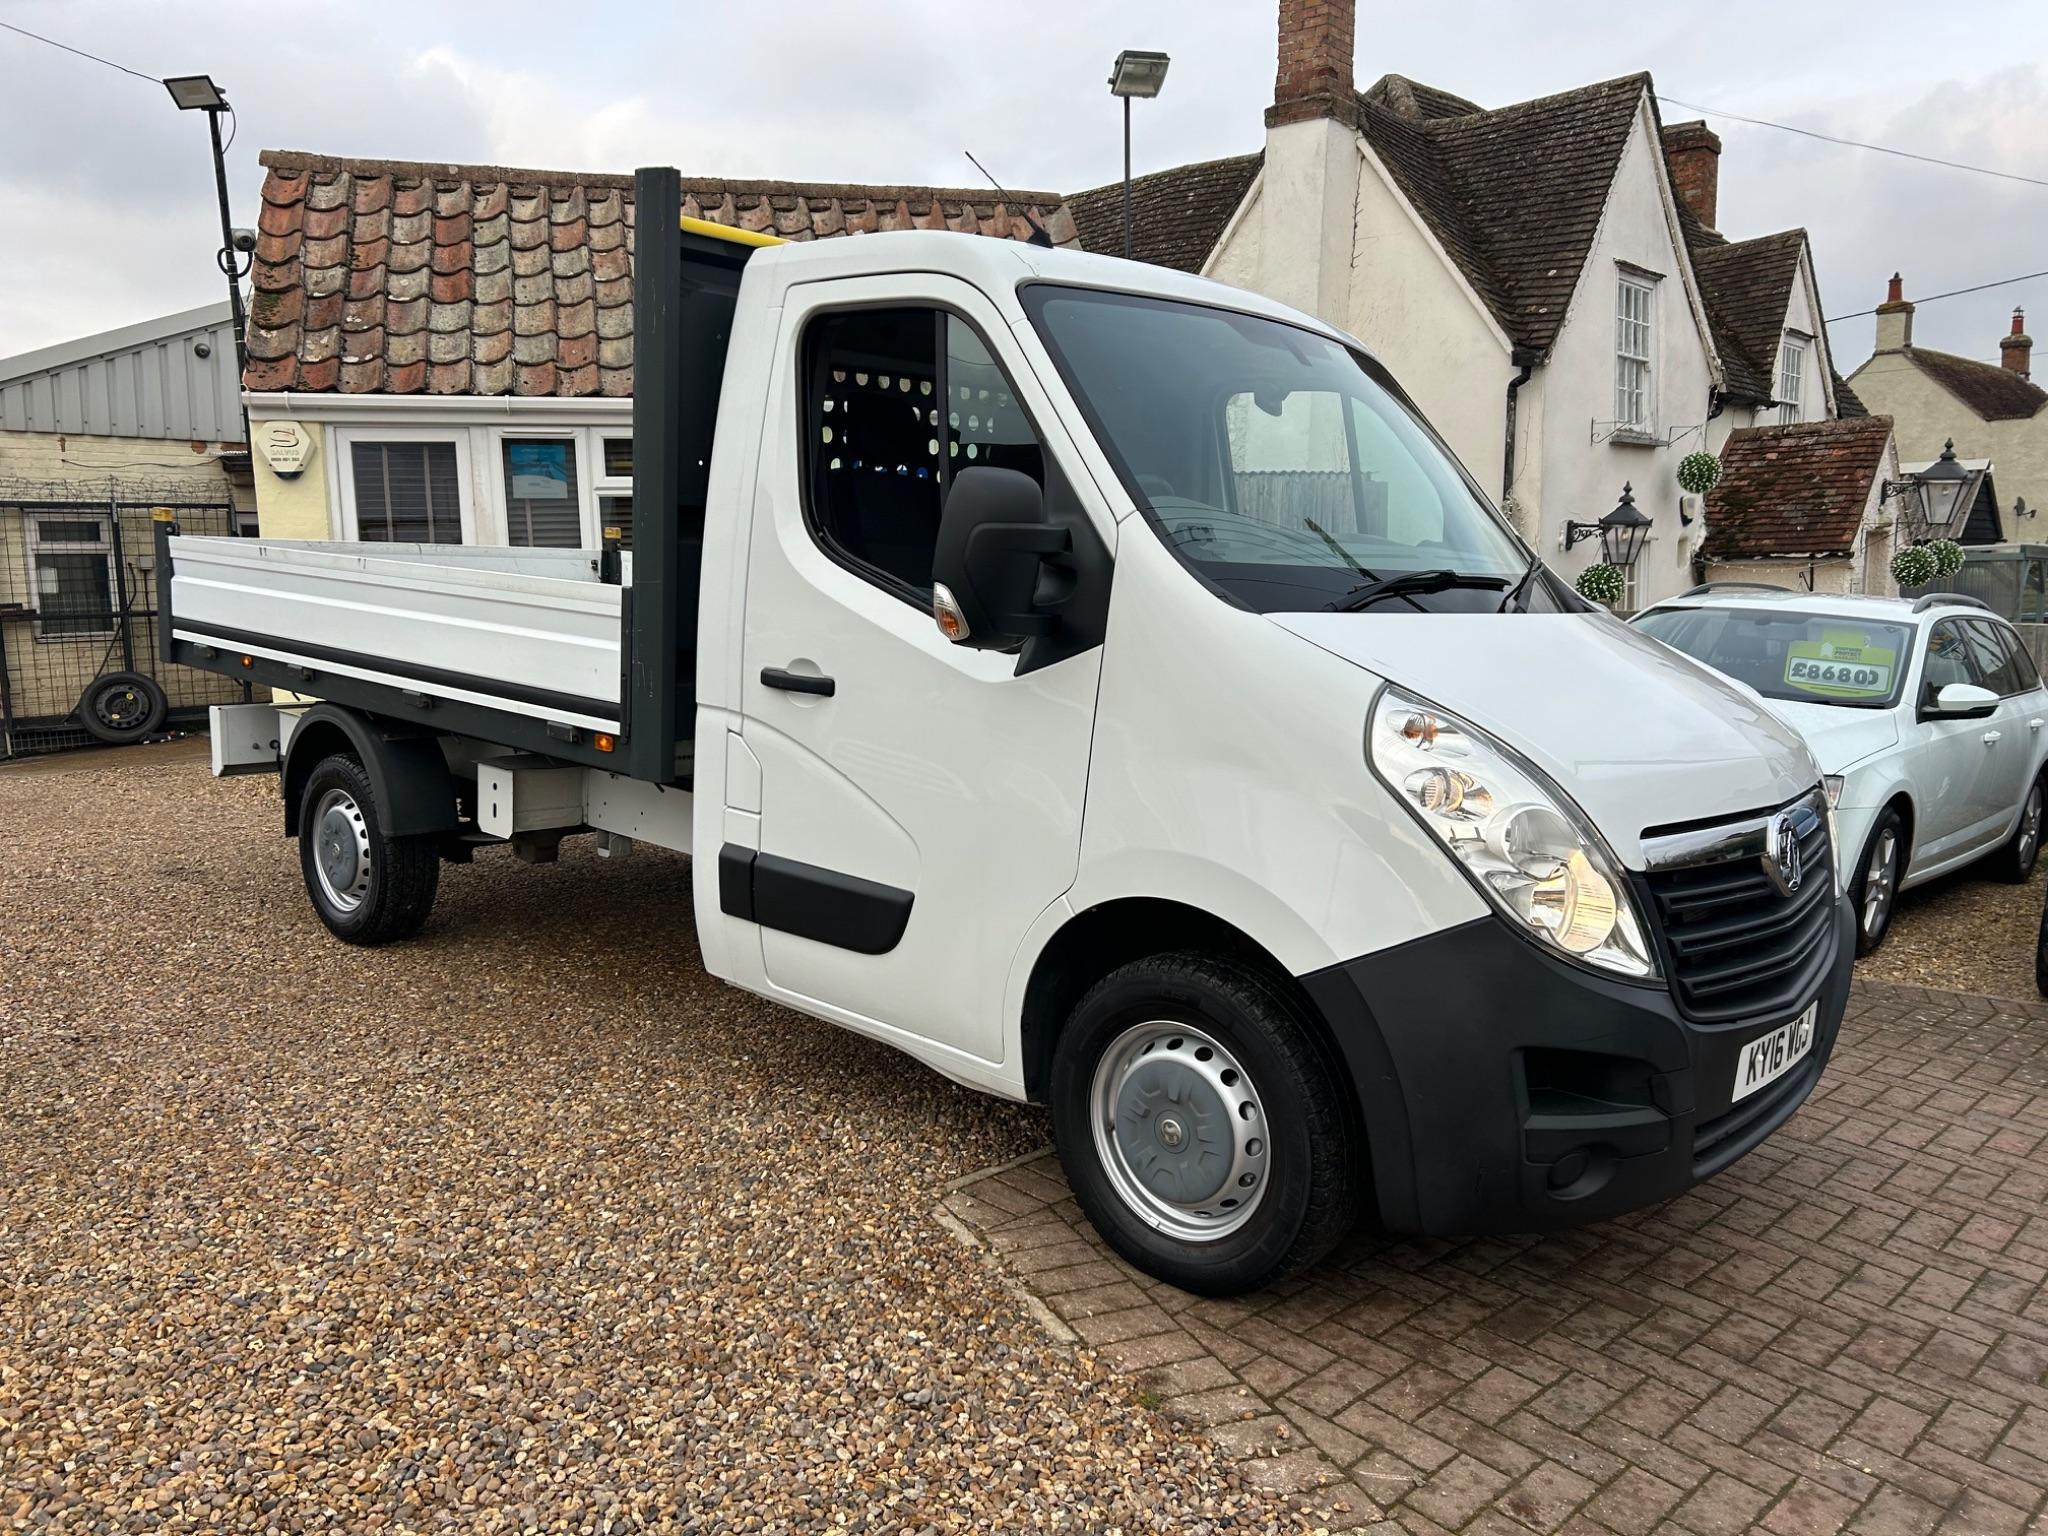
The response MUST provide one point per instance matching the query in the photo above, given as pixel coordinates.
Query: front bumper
(1507, 1091)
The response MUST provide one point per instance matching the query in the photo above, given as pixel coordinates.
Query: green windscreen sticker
(1841, 664)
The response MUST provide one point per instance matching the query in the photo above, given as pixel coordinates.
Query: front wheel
(2015, 860)
(367, 886)
(1203, 1127)
(1876, 885)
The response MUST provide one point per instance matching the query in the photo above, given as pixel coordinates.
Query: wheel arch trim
(408, 775)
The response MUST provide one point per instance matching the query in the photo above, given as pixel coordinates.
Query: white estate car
(1926, 715)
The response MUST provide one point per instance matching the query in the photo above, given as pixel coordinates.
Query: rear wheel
(368, 887)
(1203, 1127)
(1876, 885)
(2015, 860)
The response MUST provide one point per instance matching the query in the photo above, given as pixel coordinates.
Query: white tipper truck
(1102, 685)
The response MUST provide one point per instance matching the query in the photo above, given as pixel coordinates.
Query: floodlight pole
(1127, 178)
(228, 264)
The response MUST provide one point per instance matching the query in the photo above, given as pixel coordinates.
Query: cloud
(108, 196)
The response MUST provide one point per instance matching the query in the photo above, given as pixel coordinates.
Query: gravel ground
(1965, 933)
(528, 1225)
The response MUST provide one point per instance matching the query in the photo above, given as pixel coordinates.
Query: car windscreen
(1280, 466)
(1807, 658)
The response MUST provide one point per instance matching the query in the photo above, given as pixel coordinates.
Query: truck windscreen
(1278, 465)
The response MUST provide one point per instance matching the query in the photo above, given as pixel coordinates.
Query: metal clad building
(171, 378)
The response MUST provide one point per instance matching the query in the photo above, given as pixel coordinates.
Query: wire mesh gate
(78, 617)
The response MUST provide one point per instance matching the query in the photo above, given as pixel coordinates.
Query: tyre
(2014, 860)
(367, 886)
(1876, 886)
(2041, 955)
(122, 707)
(1205, 1129)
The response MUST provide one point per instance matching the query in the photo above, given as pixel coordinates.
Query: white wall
(1582, 480)
(1412, 307)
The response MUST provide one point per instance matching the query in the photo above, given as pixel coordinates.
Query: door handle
(2036, 723)
(797, 682)
(1990, 738)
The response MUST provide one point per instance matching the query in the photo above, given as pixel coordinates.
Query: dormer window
(1791, 373)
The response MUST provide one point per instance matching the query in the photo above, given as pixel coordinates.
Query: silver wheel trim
(1209, 1070)
(341, 850)
(1879, 879)
(2030, 823)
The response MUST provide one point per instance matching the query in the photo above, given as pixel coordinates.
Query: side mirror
(1963, 701)
(994, 584)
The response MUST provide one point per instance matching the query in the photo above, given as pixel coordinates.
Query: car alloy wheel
(1880, 882)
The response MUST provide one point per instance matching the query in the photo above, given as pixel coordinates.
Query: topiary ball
(1948, 558)
(1698, 473)
(1601, 584)
(1915, 566)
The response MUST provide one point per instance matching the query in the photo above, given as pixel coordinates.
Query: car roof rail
(1733, 586)
(1949, 600)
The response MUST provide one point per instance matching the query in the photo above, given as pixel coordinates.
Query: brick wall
(1313, 78)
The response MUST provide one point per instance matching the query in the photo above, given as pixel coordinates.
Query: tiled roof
(1513, 194)
(1847, 402)
(1994, 392)
(1794, 490)
(1747, 288)
(401, 277)
(1177, 216)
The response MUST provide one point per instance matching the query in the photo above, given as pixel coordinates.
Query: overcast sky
(107, 203)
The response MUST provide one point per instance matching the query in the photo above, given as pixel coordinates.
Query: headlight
(1831, 786)
(1523, 843)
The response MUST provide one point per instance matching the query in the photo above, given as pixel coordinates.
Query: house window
(71, 570)
(1634, 300)
(1791, 369)
(407, 492)
(614, 487)
(542, 506)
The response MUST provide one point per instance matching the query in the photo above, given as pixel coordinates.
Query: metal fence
(78, 608)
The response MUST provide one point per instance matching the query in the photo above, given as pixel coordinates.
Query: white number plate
(1769, 1057)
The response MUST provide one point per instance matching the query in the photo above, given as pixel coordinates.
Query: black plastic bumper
(1507, 1091)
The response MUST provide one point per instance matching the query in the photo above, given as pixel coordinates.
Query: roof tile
(399, 277)
(1177, 216)
(1992, 390)
(1794, 490)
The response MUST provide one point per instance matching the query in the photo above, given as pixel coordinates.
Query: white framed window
(613, 457)
(71, 572)
(1791, 376)
(405, 485)
(1635, 340)
(543, 490)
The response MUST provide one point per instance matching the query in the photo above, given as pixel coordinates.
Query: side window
(2004, 665)
(898, 401)
(1949, 660)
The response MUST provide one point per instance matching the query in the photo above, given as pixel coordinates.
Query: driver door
(920, 802)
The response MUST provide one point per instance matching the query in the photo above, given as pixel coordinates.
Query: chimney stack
(1895, 319)
(1314, 75)
(1693, 152)
(2016, 351)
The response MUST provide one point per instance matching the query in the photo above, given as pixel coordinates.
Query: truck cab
(1102, 685)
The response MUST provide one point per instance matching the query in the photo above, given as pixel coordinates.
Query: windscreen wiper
(1514, 593)
(1413, 584)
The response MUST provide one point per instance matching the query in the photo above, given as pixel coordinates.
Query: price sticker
(1841, 664)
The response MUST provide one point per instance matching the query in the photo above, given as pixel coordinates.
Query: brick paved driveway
(1847, 1330)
